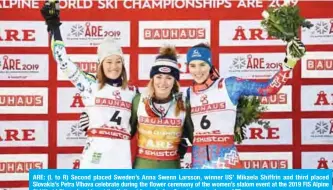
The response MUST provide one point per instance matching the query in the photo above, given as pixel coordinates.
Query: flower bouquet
(284, 23)
(248, 111)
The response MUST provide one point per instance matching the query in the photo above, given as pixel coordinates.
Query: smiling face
(163, 84)
(199, 71)
(112, 66)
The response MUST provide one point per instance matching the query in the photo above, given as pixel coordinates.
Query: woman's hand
(50, 12)
(295, 50)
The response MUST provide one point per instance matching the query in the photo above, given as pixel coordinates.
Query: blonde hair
(175, 89)
(101, 77)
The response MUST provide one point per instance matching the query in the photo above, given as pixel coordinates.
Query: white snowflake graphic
(75, 131)
(321, 127)
(238, 63)
(77, 30)
(321, 27)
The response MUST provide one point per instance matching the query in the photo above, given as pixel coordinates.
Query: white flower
(286, 3)
(265, 14)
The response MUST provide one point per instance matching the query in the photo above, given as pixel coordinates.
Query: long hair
(174, 91)
(101, 77)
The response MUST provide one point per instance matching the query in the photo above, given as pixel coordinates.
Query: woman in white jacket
(108, 99)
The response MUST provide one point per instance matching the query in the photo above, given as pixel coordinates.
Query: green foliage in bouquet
(284, 23)
(248, 111)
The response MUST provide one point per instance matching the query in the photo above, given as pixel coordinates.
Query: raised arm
(50, 12)
(80, 79)
(238, 87)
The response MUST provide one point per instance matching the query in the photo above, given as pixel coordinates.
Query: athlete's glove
(50, 12)
(294, 45)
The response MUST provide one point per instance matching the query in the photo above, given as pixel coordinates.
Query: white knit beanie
(107, 48)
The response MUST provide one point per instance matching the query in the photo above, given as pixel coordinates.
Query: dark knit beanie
(166, 63)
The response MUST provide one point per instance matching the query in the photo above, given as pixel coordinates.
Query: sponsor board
(23, 34)
(278, 132)
(266, 160)
(317, 97)
(70, 134)
(317, 131)
(24, 67)
(317, 65)
(92, 33)
(256, 160)
(178, 33)
(317, 160)
(67, 161)
(245, 33)
(25, 100)
(321, 33)
(251, 65)
(69, 100)
(23, 133)
(280, 102)
(15, 167)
